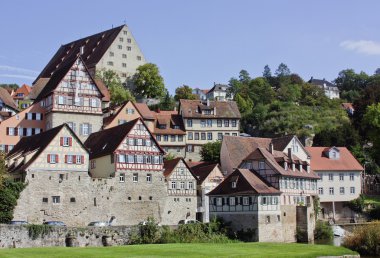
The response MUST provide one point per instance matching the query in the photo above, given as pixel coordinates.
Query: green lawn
(261, 250)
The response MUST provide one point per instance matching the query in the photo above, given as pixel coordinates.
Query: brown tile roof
(170, 165)
(262, 153)
(224, 109)
(103, 89)
(94, 48)
(247, 183)
(347, 106)
(57, 77)
(319, 161)
(7, 99)
(5, 115)
(144, 111)
(25, 89)
(38, 143)
(201, 170)
(170, 120)
(37, 87)
(105, 142)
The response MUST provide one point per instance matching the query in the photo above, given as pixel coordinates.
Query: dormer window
(176, 126)
(233, 184)
(333, 153)
(261, 165)
(162, 126)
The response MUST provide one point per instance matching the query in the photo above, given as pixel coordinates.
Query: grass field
(261, 250)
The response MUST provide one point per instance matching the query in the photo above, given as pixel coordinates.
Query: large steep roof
(7, 99)
(224, 109)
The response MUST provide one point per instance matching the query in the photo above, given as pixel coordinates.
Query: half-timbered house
(72, 96)
(208, 177)
(251, 204)
(181, 185)
(54, 164)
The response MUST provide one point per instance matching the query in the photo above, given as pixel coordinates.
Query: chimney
(293, 167)
(81, 50)
(271, 148)
(290, 153)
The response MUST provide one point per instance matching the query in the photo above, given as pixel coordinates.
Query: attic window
(233, 184)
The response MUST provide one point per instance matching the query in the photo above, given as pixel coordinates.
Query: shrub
(323, 230)
(9, 193)
(34, 231)
(357, 204)
(374, 213)
(365, 239)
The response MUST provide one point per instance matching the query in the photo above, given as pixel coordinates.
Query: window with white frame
(233, 184)
(341, 177)
(352, 190)
(261, 165)
(189, 122)
(245, 200)
(232, 201)
(94, 103)
(122, 177)
(264, 200)
(219, 201)
(182, 185)
(66, 141)
(135, 177)
(69, 159)
(331, 177)
(341, 190)
(85, 129)
(233, 123)
(174, 185)
(52, 158)
(149, 178)
(131, 159)
(140, 158)
(121, 158)
(226, 123)
(191, 185)
(331, 190)
(352, 177)
(79, 159)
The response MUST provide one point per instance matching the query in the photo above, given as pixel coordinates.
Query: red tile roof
(247, 183)
(202, 169)
(25, 89)
(320, 162)
(104, 90)
(7, 99)
(144, 111)
(170, 119)
(170, 165)
(224, 109)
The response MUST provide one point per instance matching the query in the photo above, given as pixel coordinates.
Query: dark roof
(105, 142)
(170, 165)
(280, 143)
(319, 82)
(37, 87)
(218, 87)
(224, 109)
(247, 183)
(202, 169)
(57, 77)
(7, 99)
(38, 143)
(94, 48)
(170, 119)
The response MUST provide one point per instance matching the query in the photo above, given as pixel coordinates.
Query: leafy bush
(374, 213)
(365, 239)
(323, 230)
(34, 231)
(9, 193)
(357, 204)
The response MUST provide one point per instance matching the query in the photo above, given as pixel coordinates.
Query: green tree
(118, 92)
(282, 70)
(167, 102)
(260, 91)
(244, 105)
(211, 151)
(289, 92)
(372, 120)
(148, 81)
(351, 84)
(267, 72)
(184, 92)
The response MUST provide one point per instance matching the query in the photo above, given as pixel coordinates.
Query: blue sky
(200, 42)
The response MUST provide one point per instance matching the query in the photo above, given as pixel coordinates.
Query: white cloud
(17, 70)
(19, 76)
(367, 47)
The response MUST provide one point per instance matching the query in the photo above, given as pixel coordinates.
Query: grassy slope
(183, 250)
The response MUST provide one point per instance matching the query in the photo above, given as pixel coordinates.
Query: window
(130, 110)
(72, 199)
(79, 159)
(125, 32)
(86, 129)
(140, 158)
(166, 138)
(122, 178)
(110, 63)
(172, 138)
(233, 123)
(112, 53)
(219, 123)
(261, 165)
(180, 138)
(149, 178)
(129, 40)
(203, 136)
(93, 163)
(219, 201)
(209, 123)
(263, 200)
(139, 58)
(227, 123)
(44, 199)
(267, 219)
(174, 185)
(72, 126)
(182, 185)
(220, 136)
(124, 65)
(352, 190)
(61, 100)
(94, 103)
(158, 138)
(121, 158)
(341, 177)
(52, 158)
(69, 159)
(331, 177)
(341, 190)
(189, 135)
(66, 141)
(232, 201)
(11, 131)
(189, 122)
(56, 199)
(321, 176)
(121, 39)
(352, 177)
(129, 48)
(119, 46)
(331, 190)
(191, 185)
(234, 134)
(190, 148)
(124, 55)
(203, 123)
(233, 184)
(135, 177)
(209, 136)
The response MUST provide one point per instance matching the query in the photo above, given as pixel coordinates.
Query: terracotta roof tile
(224, 109)
(170, 120)
(247, 183)
(37, 87)
(202, 169)
(7, 99)
(144, 110)
(103, 89)
(319, 161)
